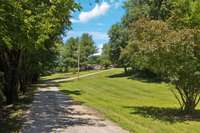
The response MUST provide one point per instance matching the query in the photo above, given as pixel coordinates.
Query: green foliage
(118, 41)
(185, 14)
(69, 52)
(94, 60)
(29, 31)
(105, 55)
(87, 48)
(154, 9)
(164, 38)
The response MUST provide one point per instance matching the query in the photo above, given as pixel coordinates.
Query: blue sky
(96, 19)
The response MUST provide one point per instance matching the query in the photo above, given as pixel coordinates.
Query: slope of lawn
(138, 105)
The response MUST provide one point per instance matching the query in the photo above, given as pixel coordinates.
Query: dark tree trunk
(189, 97)
(23, 87)
(35, 77)
(189, 107)
(11, 86)
(10, 60)
(125, 69)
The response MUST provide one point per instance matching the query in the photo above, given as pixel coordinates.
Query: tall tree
(29, 30)
(118, 41)
(87, 48)
(105, 56)
(71, 52)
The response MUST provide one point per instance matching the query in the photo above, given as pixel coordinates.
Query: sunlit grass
(138, 105)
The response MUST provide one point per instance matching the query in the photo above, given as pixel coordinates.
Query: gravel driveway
(53, 111)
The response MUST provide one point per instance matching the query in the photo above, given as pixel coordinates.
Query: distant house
(98, 67)
(91, 67)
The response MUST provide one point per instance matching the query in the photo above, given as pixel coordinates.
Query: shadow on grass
(11, 115)
(69, 92)
(143, 76)
(171, 115)
(120, 75)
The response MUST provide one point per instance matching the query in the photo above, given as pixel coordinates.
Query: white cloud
(99, 47)
(98, 10)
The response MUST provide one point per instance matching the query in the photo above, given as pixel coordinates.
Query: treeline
(29, 36)
(83, 46)
(163, 37)
(90, 55)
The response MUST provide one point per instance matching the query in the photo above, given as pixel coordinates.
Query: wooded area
(30, 31)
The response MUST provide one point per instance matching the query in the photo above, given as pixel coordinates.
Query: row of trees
(162, 36)
(69, 51)
(68, 55)
(29, 35)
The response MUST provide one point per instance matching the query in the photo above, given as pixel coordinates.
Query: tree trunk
(12, 82)
(10, 69)
(125, 69)
(189, 107)
(23, 87)
(188, 99)
(35, 77)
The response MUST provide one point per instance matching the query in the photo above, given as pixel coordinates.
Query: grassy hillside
(138, 105)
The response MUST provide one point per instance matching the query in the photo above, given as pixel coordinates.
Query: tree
(87, 48)
(118, 41)
(185, 14)
(71, 53)
(61, 61)
(105, 56)
(153, 9)
(94, 59)
(174, 54)
(29, 30)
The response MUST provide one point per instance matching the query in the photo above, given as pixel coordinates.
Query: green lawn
(137, 105)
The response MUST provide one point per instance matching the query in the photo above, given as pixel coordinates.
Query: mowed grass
(135, 104)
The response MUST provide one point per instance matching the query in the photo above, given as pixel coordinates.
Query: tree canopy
(29, 31)
(70, 50)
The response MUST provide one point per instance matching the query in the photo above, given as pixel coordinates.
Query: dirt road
(53, 111)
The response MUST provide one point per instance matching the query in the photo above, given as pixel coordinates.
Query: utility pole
(78, 61)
